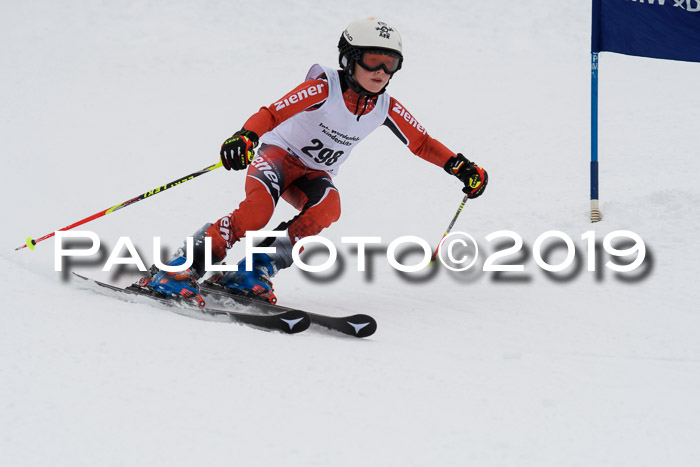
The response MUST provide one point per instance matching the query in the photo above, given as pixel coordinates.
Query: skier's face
(371, 81)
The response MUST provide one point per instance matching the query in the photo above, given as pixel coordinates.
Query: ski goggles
(373, 60)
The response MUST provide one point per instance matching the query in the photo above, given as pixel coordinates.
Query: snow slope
(100, 102)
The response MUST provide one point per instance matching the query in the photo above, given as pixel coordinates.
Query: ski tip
(297, 320)
(362, 325)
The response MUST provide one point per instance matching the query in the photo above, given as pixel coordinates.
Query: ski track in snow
(102, 102)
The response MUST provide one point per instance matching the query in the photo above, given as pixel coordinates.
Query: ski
(287, 320)
(359, 325)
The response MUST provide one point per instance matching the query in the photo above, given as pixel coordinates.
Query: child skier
(304, 138)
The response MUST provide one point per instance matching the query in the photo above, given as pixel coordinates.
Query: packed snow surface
(102, 101)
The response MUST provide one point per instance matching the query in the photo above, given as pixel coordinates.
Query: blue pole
(595, 212)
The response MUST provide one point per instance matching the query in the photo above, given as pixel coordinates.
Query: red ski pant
(275, 173)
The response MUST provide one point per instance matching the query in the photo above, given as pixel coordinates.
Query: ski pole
(454, 219)
(31, 243)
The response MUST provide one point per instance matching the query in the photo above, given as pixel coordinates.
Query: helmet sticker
(384, 30)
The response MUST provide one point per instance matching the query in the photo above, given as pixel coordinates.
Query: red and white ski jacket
(310, 121)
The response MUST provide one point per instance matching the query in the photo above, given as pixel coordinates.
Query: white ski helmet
(369, 34)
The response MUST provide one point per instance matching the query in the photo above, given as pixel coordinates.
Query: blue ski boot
(256, 283)
(181, 284)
